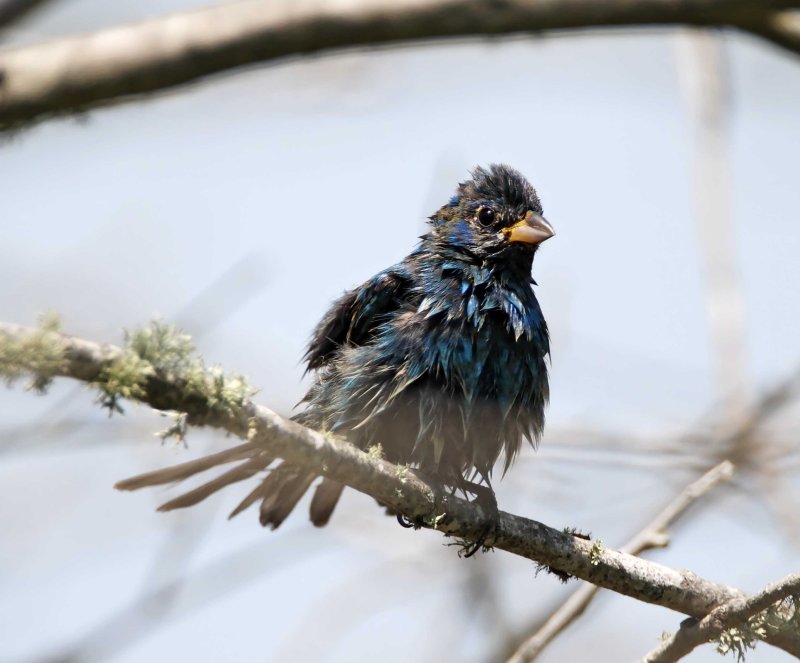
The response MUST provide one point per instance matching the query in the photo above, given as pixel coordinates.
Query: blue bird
(440, 359)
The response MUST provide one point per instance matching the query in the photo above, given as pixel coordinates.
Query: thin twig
(652, 536)
(736, 612)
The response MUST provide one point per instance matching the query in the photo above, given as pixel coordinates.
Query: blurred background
(239, 208)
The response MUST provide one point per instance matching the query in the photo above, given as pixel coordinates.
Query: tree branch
(13, 11)
(780, 28)
(732, 614)
(77, 73)
(169, 385)
(652, 536)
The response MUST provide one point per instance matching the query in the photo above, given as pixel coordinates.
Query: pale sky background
(242, 206)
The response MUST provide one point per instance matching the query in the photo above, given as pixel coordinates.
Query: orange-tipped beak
(531, 229)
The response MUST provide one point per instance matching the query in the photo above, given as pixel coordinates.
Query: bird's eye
(485, 216)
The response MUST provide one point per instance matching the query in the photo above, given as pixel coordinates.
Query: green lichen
(736, 641)
(41, 355)
(124, 377)
(177, 429)
(596, 552)
(402, 473)
(164, 350)
(375, 452)
(50, 322)
(252, 428)
(781, 617)
(224, 392)
(156, 348)
(435, 520)
(165, 347)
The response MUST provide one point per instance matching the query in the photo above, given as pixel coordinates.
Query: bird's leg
(486, 500)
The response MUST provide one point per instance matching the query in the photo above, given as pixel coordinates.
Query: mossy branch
(157, 366)
(737, 625)
(40, 355)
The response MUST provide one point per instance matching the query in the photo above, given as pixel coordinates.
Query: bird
(441, 359)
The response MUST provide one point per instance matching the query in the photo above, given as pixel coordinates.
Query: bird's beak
(531, 229)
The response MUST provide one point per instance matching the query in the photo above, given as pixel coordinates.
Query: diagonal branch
(77, 73)
(46, 353)
(780, 28)
(736, 612)
(652, 536)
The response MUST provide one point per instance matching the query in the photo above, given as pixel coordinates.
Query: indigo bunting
(440, 358)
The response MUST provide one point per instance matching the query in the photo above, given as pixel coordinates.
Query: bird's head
(494, 215)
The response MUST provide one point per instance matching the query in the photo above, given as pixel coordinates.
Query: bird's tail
(278, 492)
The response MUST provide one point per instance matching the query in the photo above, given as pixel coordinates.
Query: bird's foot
(439, 505)
(486, 500)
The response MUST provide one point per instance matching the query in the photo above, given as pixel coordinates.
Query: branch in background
(179, 596)
(705, 81)
(704, 77)
(74, 74)
(13, 11)
(158, 368)
(782, 29)
(767, 405)
(734, 614)
(652, 536)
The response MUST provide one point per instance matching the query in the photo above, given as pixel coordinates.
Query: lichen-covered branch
(167, 376)
(736, 625)
(76, 73)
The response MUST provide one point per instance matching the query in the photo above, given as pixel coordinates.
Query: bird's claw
(489, 528)
(404, 521)
(439, 505)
